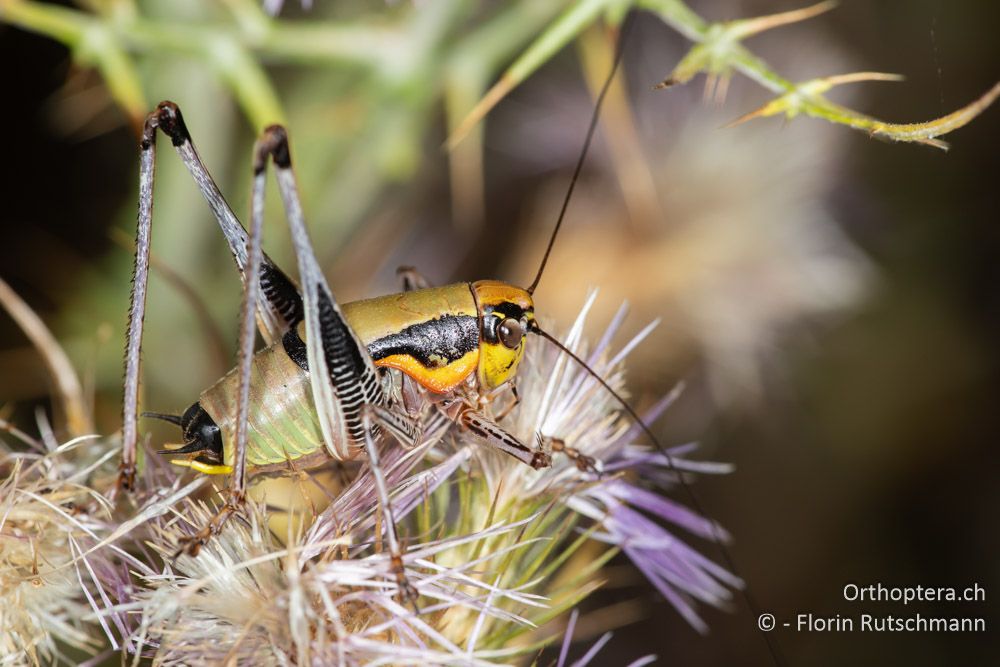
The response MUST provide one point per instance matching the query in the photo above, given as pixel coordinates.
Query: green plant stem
(314, 42)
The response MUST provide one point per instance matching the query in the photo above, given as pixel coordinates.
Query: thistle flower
(51, 576)
(493, 548)
(560, 399)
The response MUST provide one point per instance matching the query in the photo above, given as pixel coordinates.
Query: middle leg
(412, 279)
(407, 433)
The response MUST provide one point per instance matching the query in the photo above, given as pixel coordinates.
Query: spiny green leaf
(717, 44)
(807, 98)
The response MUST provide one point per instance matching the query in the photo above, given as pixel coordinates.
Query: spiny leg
(342, 374)
(346, 388)
(192, 544)
(491, 434)
(137, 307)
(278, 304)
(237, 480)
(583, 462)
(406, 432)
(405, 429)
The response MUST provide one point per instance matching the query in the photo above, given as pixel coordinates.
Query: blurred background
(832, 302)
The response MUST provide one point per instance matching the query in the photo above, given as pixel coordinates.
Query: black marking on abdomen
(434, 343)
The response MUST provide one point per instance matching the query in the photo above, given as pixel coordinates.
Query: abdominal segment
(282, 425)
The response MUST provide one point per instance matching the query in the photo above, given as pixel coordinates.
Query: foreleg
(492, 435)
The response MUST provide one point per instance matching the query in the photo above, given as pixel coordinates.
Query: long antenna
(619, 50)
(693, 499)
(534, 328)
(695, 503)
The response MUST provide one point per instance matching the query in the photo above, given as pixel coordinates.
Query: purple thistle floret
(629, 515)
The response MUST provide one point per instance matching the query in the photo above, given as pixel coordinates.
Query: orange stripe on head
(497, 293)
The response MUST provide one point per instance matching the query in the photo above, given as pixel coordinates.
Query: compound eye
(510, 332)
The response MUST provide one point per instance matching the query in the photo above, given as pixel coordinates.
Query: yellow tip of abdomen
(206, 468)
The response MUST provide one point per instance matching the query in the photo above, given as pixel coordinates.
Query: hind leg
(275, 298)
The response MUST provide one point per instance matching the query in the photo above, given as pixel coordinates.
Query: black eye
(510, 332)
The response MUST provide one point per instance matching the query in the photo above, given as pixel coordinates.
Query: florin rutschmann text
(877, 594)
(887, 623)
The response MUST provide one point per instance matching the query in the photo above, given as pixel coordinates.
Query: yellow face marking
(498, 300)
(440, 380)
(498, 363)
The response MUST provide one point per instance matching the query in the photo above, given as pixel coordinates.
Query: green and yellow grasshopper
(325, 385)
(320, 388)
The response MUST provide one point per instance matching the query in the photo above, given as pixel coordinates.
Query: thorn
(855, 77)
(478, 112)
(711, 84)
(791, 102)
(722, 88)
(743, 28)
(771, 108)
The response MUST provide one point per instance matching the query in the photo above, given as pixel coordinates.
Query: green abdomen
(282, 426)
